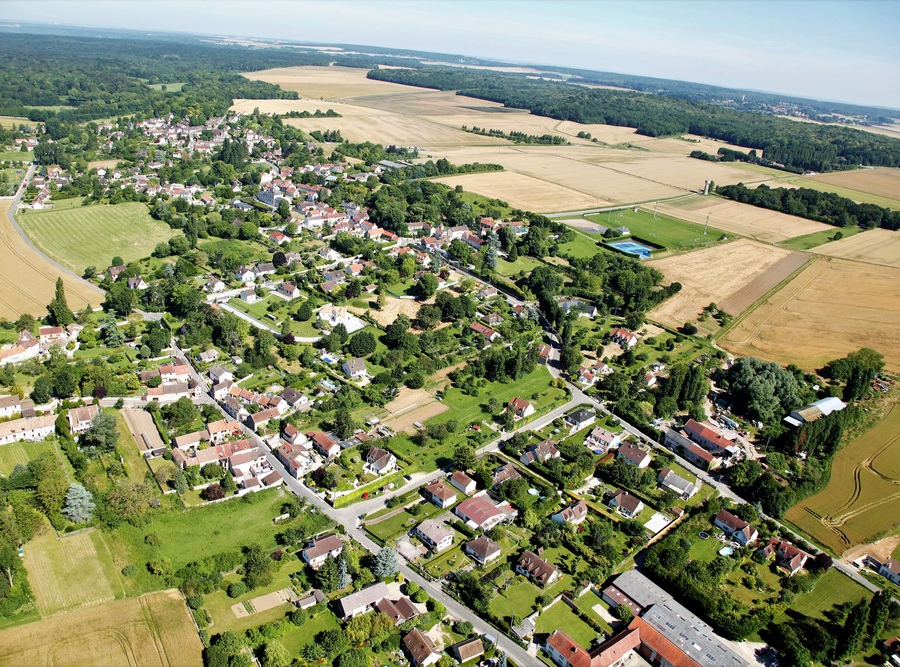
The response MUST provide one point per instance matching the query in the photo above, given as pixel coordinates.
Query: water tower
(706, 186)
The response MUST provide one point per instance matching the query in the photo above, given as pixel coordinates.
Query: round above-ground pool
(632, 248)
(704, 535)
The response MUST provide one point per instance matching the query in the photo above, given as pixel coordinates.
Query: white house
(626, 504)
(322, 548)
(633, 455)
(435, 535)
(520, 408)
(80, 419)
(600, 439)
(379, 461)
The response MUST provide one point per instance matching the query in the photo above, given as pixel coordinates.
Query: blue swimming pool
(633, 248)
(726, 551)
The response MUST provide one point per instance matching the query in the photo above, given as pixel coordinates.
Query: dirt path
(880, 549)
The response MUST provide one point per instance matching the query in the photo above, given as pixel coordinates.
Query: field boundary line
(765, 297)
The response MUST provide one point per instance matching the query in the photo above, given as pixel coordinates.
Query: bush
(237, 589)
(129, 570)
(421, 596)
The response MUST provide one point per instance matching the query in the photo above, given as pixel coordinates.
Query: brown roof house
(788, 557)
(541, 452)
(379, 461)
(574, 514)
(626, 504)
(463, 482)
(738, 529)
(520, 408)
(483, 550)
(420, 648)
(536, 568)
(440, 494)
(321, 549)
(435, 535)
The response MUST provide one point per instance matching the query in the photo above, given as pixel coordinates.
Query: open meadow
(151, 631)
(832, 307)
(69, 572)
(28, 279)
(711, 275)
(743, 219)
(85, 236)
(876, 246)
(862, 498)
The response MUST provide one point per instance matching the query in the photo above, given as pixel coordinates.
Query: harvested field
(103, 164)
(881, 181)
(525, 192)
(388, 129)
(28, 280)
(829, 309)
(862, 498)
(676, 171)
(151, 631)
(66, 573)
(710, 276)
(743, 219)
(92, 235)
(876, 246)
(143, 429)
(279, 106)
(327, 83)
(411, 406)
(392, 307)
(761, 285)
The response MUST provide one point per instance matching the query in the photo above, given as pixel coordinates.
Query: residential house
(326, 445)
(379, 461)
(520, 408)
(540, 452)
(440, 494)
(333, 315)
(467, 650)
(489, 334)
(669, 479)
(296, 459)
(207, 356)
(80, 419)
(399, 611)
(483, 550)
(626, 504)
(434, 535)
(219, 374)
(245, 274)
(890, 570)
(536, 569)
(707, 438)
(114, 271)
(479, 513)
(9, 406)
(258, 420)
(355, 369)
(625, 338)
(292, 435)
(421, 649)
(249, 296)
(735, 527)
(463, 482)
(174, 373)
(289, 289)
(320, 549)
(503, 473)
(214, 285)
(26, 347)
(695, 454)
(600, 439)
(219, 431)
(30, 429)
(787, 556)
(136, 282)
(580, 419)
(633, 455)
(574, 514)
(546, 354)
(565, 651)
(361, 601)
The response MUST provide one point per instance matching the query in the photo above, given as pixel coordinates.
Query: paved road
(11, 214)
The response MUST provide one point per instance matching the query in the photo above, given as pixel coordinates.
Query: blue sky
(835, 50)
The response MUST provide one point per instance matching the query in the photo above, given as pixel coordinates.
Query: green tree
(854, 630)
(343, 426)
(464, 457)
(385, 563)
(79, 505)
(102, 435)
(58, 310)
(275, 654)
(328, 576)
(259, 568)
(427, 285)
(362, 344)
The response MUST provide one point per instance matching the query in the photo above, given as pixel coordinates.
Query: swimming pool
(632, 248)
(726, 551)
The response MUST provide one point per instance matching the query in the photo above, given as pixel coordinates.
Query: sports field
(711, 275)
(832, 307)
(92, 235)
(876, 246)
(151, 631)
(27, 280)
(743, 219)
(662, 229)
(862, 498)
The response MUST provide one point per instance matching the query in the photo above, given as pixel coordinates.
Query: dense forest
(824, 207)
(798, 145)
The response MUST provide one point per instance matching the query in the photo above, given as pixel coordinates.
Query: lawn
(587, 602)
(519, 598)
(561, 617)
(219, 604)
(93, 235)
(198, 533)
(831, 589)
(169, 87)
(16, 156)
(22, 452)
(808, 241)
(298, 637)
(581, 247)
(523, 263)
(664, 230)
(402, 522)
(449, 561)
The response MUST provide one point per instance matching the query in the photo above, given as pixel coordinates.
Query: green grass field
(808, 241)
(70, 572)
(93, 235)
(664, 230)
(523, 263)
(580, 248)
(22, 452)
(170, 87)
(16, 156)
(832, 589)
(296, 638)
(561, 617)
(15, 121)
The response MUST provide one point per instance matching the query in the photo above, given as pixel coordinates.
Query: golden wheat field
(743, 219)
(151, 631)
(876, 246)
(832, 307)
(710, 276)
(881, 181)
(29, 280)
(525, 192)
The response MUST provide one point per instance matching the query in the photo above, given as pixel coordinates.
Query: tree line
(797, 145)
(824, 207)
